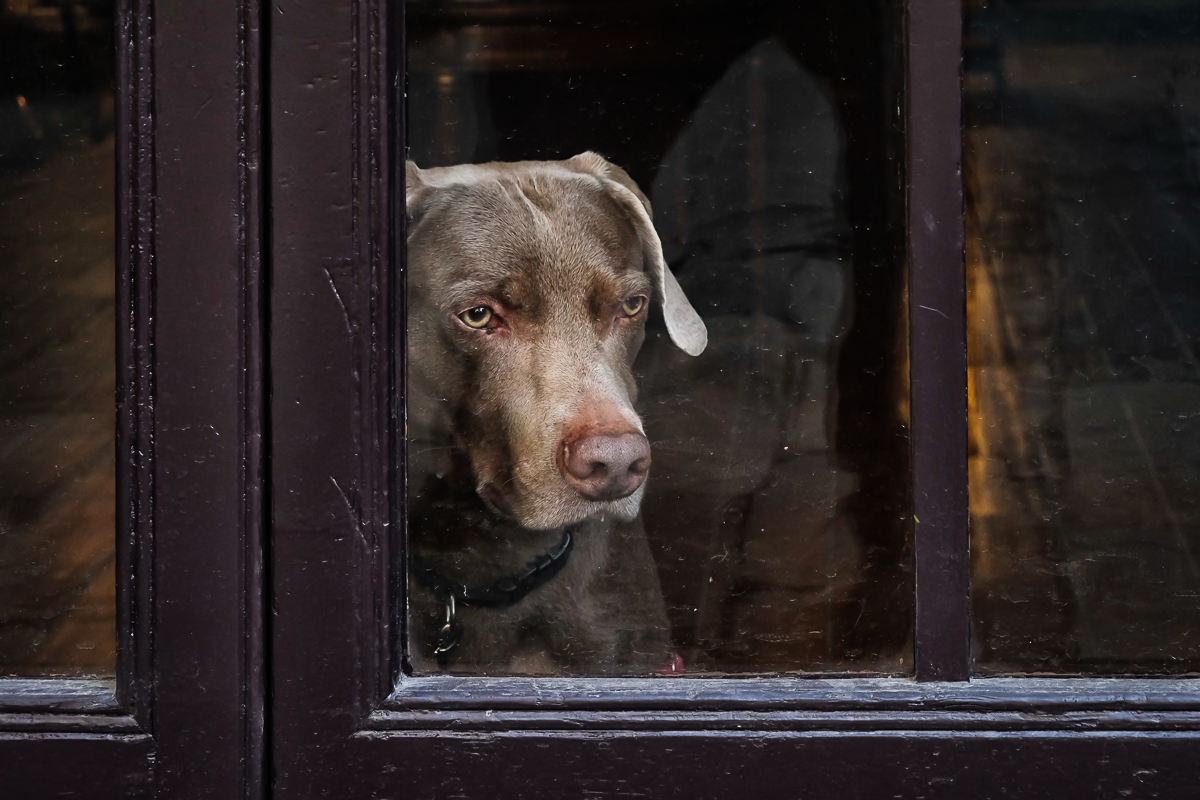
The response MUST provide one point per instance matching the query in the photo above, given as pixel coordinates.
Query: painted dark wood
(187, 715)
(135, 364)
(42, 722)
(331, 401)
(85, 765)
(1049, 695)
(822, 721)
(254, 200)
(207, 385)
(348, 725)
(886, 764)
(40, 694)
(938, 354)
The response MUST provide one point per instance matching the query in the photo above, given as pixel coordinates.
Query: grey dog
(529, 285)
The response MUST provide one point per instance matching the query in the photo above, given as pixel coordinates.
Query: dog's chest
(602, 613)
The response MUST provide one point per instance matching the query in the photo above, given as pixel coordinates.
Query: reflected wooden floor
(57, 417)
(1084, 301)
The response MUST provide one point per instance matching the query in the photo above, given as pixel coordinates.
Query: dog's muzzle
(606, 467)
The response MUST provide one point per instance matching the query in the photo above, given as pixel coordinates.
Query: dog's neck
(452, 531)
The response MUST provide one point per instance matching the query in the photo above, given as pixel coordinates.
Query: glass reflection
(775, 508)
(1084, 306)
(57, 356)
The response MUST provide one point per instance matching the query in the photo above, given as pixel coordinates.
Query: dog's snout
(606, 466)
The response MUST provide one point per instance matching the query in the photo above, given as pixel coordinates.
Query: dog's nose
(606, 466)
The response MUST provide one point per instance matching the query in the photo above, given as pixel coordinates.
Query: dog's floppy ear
(683, 323)
(415, 190)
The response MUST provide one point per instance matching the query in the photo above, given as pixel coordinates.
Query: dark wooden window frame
(349, 723)
(221, 693)
(185, 714)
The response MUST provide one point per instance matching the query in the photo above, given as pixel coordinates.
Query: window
(776, 510)
(130, 331)
(57, 354)
(1081, 174)
(999, 504)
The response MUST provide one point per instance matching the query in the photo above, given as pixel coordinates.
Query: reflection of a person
(748, 200)
(748, 203)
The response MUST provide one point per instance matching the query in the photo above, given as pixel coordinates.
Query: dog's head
(528, 289)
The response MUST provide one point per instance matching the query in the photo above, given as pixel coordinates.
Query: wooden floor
(1084, 301)
(57, 417)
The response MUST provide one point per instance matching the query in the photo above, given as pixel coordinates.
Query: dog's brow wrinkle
(528, 197)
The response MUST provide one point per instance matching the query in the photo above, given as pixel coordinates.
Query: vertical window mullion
(938, 339)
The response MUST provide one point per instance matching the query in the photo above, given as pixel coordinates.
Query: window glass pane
(1083, 178)
(760, 524)
(57, 328)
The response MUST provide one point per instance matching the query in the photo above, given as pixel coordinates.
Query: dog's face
(528, 290)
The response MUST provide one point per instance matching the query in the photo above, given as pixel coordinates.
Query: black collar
(504, 591)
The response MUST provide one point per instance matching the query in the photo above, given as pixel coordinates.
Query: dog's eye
(633, 306)
(477, 317)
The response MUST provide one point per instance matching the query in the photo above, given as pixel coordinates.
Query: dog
(529, 285)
